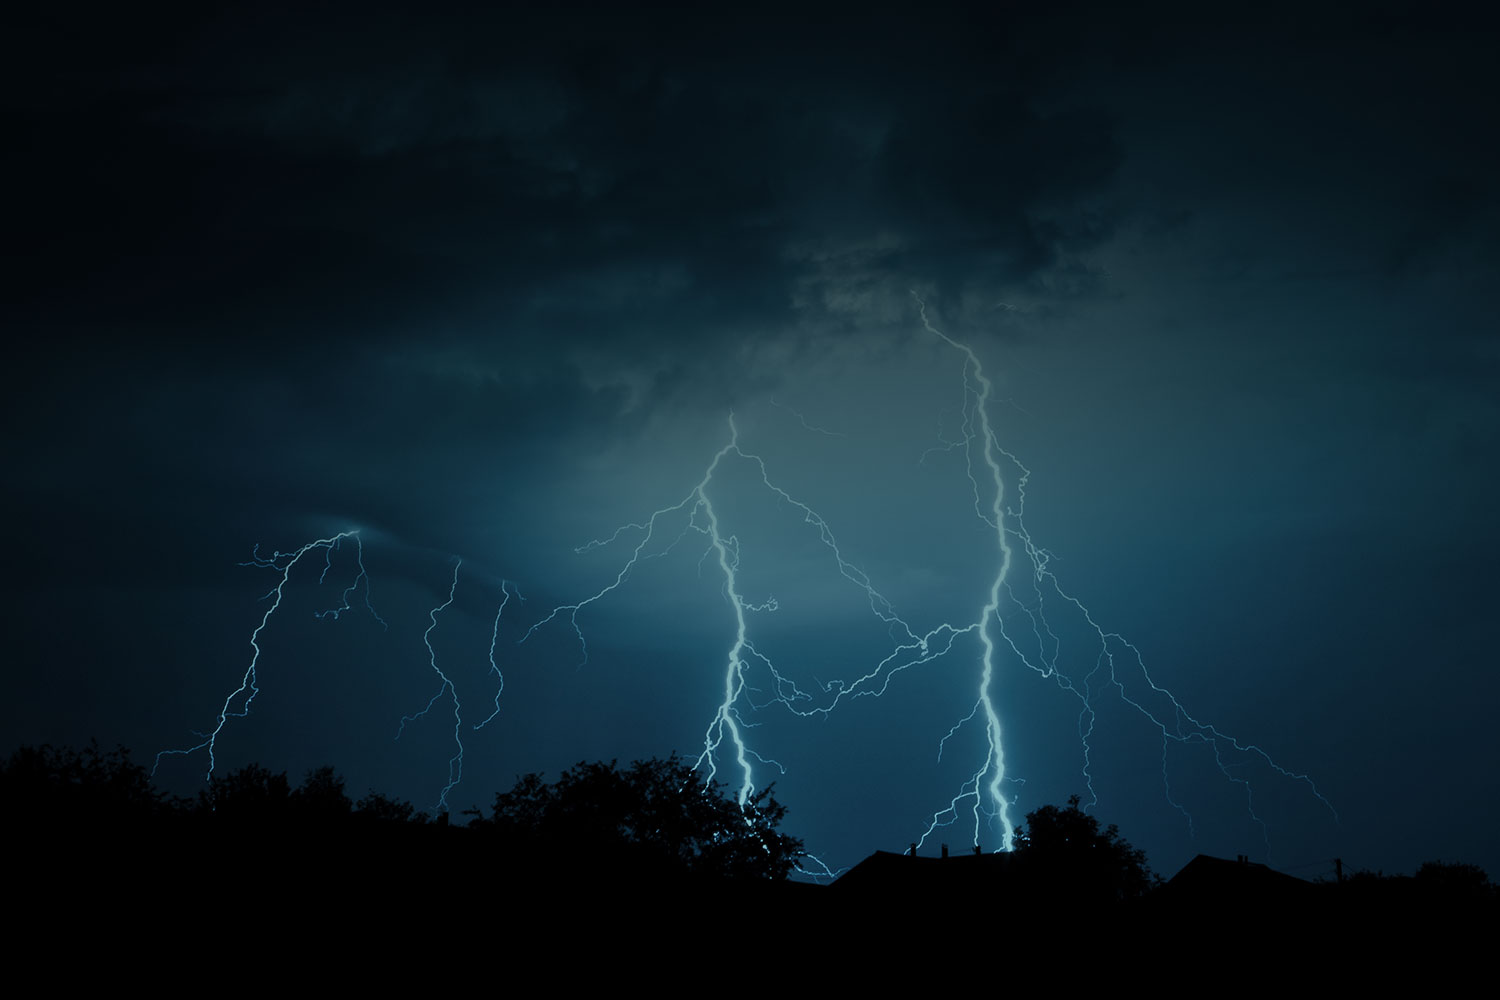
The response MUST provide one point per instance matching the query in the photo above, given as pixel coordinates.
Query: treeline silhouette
(98, 817)
(610, 872)
(93, 823)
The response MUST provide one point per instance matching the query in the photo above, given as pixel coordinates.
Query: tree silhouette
(1066, 850)
(1455, 881)
(251, 794)
(656, 818)
(379, 808)
(321, 797)
(67, 788)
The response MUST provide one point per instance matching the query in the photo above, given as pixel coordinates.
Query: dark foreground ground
(109, 885)
(428, 906)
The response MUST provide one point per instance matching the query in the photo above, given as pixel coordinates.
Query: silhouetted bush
(655, 818)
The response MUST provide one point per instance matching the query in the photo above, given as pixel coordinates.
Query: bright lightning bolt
(456, 762)
(727, 723)
(814, 868)
(696, 503)
(1112, 646)
(244, 695)
(994, 764)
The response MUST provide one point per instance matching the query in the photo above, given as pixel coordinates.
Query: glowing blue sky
(488, 289)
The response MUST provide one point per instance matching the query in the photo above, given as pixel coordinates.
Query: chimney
(945, 850)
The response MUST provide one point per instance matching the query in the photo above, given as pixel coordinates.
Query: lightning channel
(991, 774)
(237, 704)
(725, 737)
(803, 421)
(1118, 663)
(506, 589)
(456, 762)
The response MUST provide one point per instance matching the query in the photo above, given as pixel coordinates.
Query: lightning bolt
(698, 514)
(456, 762)
(283, 562)
(803, 421)
(506, 587)
(812, 867)
(993, 767)
(1114, 654)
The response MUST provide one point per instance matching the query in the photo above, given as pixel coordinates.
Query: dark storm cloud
(608, 178)
(491, 228)
(512, 222)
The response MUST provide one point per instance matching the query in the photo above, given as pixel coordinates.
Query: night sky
(487, 287)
